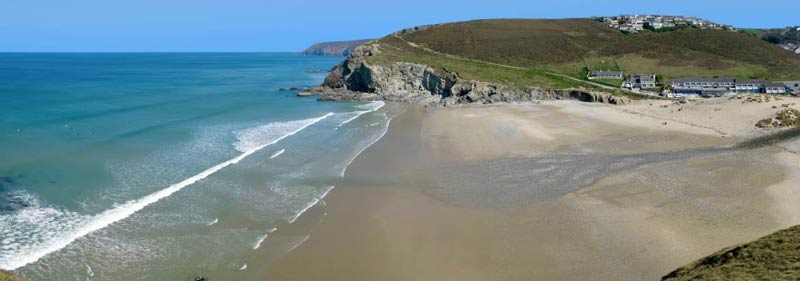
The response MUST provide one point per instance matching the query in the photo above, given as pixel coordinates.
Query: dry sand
(558, 191)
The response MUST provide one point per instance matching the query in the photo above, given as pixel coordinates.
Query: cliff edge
(358, 78)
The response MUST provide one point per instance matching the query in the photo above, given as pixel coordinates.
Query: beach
(553, 191)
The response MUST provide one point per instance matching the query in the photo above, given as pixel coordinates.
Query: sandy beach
(553, 191)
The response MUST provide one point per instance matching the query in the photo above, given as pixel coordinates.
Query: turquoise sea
(164, 166)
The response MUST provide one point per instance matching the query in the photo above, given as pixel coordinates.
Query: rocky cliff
(357, 79)
(339, 48)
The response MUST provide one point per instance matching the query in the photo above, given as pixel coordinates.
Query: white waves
(367, 108)
(277, 153)
(250, 141)
(260, 240)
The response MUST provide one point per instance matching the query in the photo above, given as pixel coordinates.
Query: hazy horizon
(271, 26)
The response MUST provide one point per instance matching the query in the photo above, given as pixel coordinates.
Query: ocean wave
(277, 153)
(46, 230)
(261, 136)
(260, 240)
(319, 199)
(367, 108)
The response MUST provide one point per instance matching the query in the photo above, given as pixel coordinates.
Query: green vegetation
(7, 276)
(779, 35)
(606, 63)
(609, 82)
(773, 257)
(395, 49)
(788, 118)
(523, 52)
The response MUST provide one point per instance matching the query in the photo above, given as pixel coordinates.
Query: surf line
(319, 199)
(277, 153)
(127, 209)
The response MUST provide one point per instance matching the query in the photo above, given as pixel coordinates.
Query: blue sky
(270, 25)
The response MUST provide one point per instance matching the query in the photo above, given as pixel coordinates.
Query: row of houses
(636, 23)
(703, 86)
(715, 87)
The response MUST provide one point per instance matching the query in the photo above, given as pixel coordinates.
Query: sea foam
(367, 108)
(53, 233)
(277, 153)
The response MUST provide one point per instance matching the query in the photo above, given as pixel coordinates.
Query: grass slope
(535, 49)
(773, 257)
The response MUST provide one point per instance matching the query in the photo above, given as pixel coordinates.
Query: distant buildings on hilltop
(637, 23)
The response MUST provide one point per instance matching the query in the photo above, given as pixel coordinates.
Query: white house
(775, 88)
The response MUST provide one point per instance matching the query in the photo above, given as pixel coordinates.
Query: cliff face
(357, 79)
(340, 48)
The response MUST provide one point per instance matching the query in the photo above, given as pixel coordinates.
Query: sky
(271, 25)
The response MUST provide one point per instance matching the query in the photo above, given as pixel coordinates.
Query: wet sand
(562, 191)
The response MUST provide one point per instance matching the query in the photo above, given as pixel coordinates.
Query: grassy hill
(773, 257)
(524, 52)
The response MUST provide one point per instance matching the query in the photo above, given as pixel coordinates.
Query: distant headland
(338, 48)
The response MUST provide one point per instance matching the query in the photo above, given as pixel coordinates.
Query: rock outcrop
(357, 79)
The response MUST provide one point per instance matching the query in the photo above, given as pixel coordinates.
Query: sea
(166, 166)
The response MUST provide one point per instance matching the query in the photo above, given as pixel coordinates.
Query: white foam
(385, 130)
(213, 222)
(305, 238)
(259, 137)
(302, 211)
(277, 153)
(341, 174)
(270, 134)
(369, 107)
(243, 267)
(271, 229)
(259, 241)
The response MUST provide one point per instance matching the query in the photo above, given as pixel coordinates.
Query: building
(792, 87)
(641, 81)
(635, 23)
(703, 86)
(647, 81)
(775, 88)
(605, 74)
(722, 86)
(749, 85)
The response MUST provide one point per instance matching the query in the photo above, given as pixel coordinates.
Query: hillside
(773, 257)
(788, 38)
(516, 54)
(567, 45)
(339, 48)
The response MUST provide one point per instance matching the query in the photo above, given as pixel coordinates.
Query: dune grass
(773, 257)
